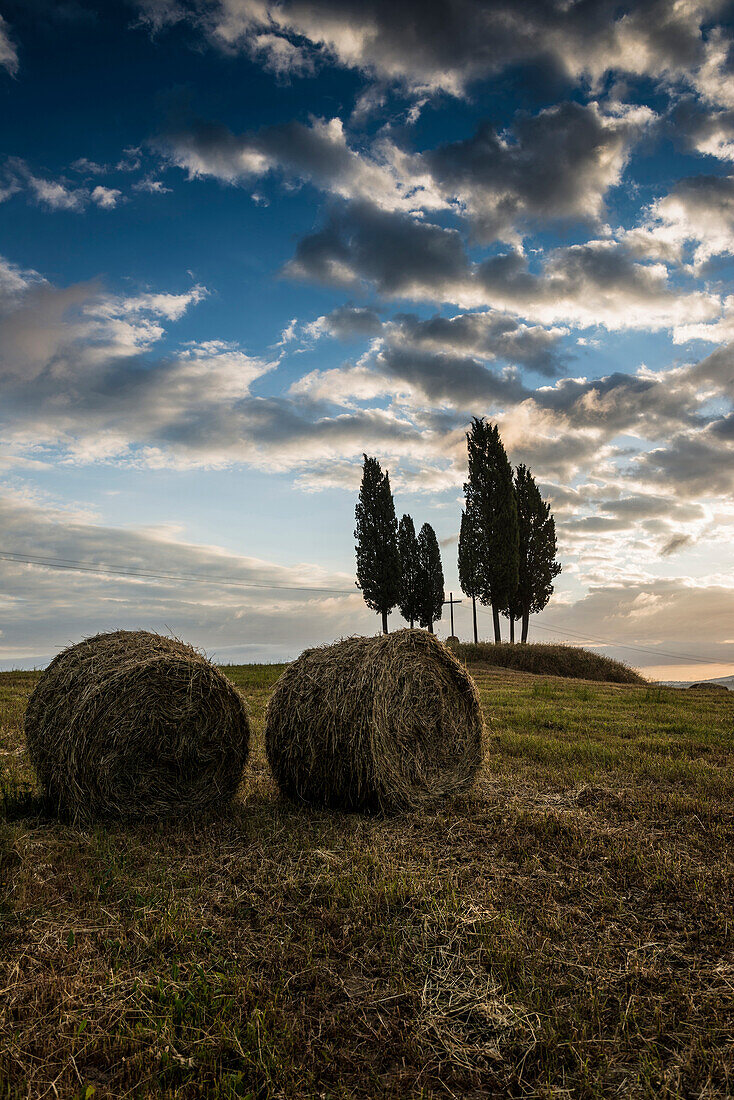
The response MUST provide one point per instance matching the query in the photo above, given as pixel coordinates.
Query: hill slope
(550, 660)
(720, 681)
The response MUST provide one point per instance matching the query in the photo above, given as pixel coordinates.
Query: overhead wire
(76, 566)
(620, 645)
(79, 566)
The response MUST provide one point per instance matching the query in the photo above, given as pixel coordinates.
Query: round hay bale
(133, 724)
(453, 643)
(386, 723)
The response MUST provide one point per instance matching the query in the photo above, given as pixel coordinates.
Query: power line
(75, 566)
(621, 645)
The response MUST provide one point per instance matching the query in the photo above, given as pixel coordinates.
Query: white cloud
(280, 56)
(88, 167)
(62, 333)
(58, 194)
(55, 195)
(698, 212)
(151, 186)
(106, 197)
(8, 52)
(318, 153)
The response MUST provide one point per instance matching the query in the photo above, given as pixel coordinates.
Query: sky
(244, 242)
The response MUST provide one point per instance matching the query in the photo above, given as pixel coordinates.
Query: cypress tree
(538, 546)
(469, 565)
(378, 563)
(408, 553)
(430, 578)
(490, 500)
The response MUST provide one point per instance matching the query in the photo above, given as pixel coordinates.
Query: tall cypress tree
(430, 578)
(537, 565)
(469, 565)
(408, 553)
(490, 499)
(378, 563)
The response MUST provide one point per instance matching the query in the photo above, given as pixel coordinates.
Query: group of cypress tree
(394, 567)
(507, 543)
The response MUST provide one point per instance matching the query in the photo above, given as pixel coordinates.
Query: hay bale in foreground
(386, 723)
(134, 724)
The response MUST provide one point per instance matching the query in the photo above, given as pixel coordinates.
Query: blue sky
(243, 242)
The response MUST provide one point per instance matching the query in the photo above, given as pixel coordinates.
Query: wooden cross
(451, 601)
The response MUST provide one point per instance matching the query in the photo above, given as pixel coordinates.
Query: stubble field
(565, 931)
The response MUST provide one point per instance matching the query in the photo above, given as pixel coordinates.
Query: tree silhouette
(490, 500)
(430, 578)
(537, 550)
(469, 565)
(408, 553)
(378, 563)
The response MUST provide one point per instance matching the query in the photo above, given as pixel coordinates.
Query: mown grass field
(566, 931)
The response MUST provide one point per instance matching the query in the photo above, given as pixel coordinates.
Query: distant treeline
(507, 543)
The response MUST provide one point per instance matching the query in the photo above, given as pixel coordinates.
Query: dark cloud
(558, 164)
(724, 427)
(674, 544)
(348, 323)
(459, 379)
(641, 507)
(433, 45)
(602, 270)
(400, 255)
(697, 463)
(614, 402)
(715, 371)
(491, 334)
(702, 130)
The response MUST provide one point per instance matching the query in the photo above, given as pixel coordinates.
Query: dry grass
(384, 723)
(133, 724)
(550, 660)
(564, 931)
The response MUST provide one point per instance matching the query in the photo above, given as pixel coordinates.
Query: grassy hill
(565, 931)
(551, 660)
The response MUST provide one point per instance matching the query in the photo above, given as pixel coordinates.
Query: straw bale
(133, 724)
(385, 723)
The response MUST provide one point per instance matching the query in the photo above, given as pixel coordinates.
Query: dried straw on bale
(386, 723)
(134, 724)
